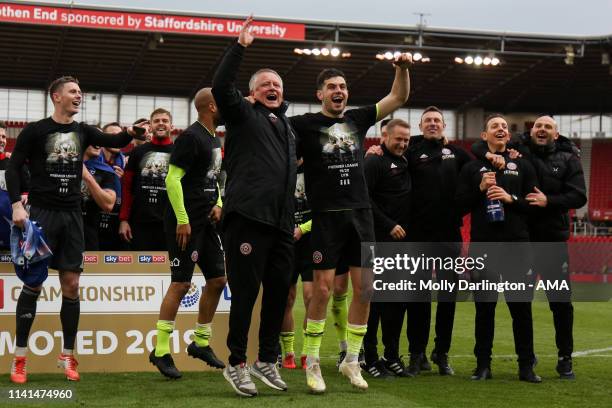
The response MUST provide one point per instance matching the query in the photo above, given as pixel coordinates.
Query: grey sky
(566, 17)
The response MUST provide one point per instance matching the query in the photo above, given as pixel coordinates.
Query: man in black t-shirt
(97, 195)
(54, 150)
(191, 236)
(302, 268)
(331, 144)
(143, 193)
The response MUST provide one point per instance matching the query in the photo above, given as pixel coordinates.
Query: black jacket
(434, 168)
(259, 152)
(518, 179)
(389, 186)
(561, 179)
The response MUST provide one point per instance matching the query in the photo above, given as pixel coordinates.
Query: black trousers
(507, 262)
(522, 329)
(256, 254)
(391, 317)
(419, 309)
(551, 261)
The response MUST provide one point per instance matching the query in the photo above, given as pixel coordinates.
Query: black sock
(25, 313)
(69, 315)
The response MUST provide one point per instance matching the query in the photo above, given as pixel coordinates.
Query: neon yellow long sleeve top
(174, 189)
(175, 193)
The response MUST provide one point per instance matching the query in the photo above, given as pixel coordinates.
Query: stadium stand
(600, 185)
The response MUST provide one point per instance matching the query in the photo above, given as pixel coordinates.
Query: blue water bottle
(495, 210)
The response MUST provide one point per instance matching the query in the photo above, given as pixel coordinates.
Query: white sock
(68, 352)
(21, 351)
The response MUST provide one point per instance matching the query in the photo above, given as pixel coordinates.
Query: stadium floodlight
(486, 60)
(469, 59)
(389, 55)
(495, 61)
(458, 60)
(325, 52)
(478, 60)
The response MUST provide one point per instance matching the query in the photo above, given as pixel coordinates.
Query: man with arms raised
(258, 213)
(331, 144)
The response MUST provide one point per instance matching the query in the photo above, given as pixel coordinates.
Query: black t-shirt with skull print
(332, 149)
(149, 165)
(198, 152)
(54, 154)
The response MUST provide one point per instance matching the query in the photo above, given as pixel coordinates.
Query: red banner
(118, 20)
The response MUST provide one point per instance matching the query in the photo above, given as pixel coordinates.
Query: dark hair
(539, 115)
(385, 122)
(109, 125)
(328, 73)
(397, 122)
(491, 117)
(3, 125)
(161, 111)
(432, 109)
(59, 83)
(137, 121)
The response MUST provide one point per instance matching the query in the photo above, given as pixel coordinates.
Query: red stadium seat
(600, 191)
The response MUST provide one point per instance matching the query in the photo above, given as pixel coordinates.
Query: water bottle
(495, 210)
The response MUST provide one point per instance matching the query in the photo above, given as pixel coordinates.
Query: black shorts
(303, 260)
(63, 232)
(337, 237)
(204, 248)
(148, 236)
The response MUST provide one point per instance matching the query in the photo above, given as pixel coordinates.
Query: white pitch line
(593, 351)
(583, 353)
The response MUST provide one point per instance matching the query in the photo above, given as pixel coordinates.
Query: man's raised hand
(246, 38)
(403, 61)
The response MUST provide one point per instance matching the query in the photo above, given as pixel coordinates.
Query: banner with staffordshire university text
(148, 22)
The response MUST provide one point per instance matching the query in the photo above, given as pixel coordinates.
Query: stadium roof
(532, 76)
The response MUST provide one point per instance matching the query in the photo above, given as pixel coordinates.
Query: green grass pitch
(592, 388)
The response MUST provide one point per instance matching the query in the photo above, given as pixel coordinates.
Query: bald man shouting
(195, 207)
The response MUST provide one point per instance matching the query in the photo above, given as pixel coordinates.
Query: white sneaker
(352, 370)
(314, 379)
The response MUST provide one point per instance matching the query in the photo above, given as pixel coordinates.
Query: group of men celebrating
(409, 190)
